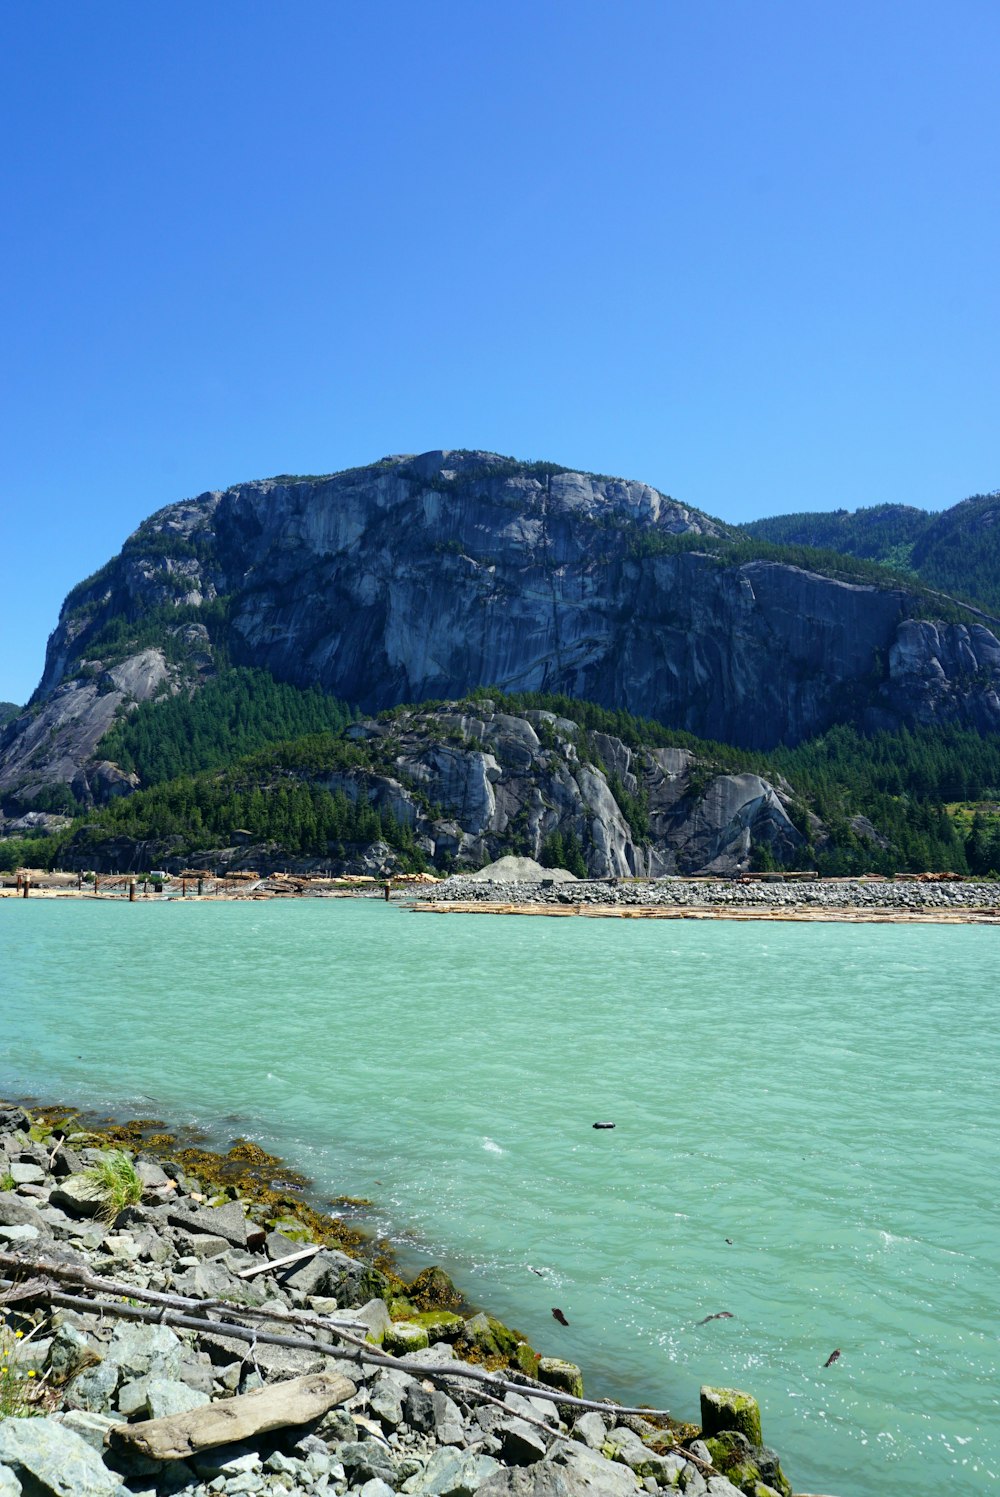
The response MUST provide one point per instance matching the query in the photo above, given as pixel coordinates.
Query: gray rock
(54, 1459)
(167, 1396)
(387, 1396)
(591, 1430)
(434, 1413)
(279, 1361)
(721, 1486)
(367, 1460)
(94, 1388)
(218, 1221)
(376, 1488)
(556, 1479)
(9, 1484)
(151, 1175)
(77, 1196)
(26, 1174)
(17, 1213)
(9, 1236)
(210, 1280)
(453, 1473)
(137, 1349)
(521, 1443)
(90, 1427)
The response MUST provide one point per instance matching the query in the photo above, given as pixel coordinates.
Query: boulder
(729, 1408)
(401, 1336)
(77, 1196)
(559, 1374)
(434, 1413)
(440, 1325)
(52, 1460)
(17, 1213)
(367, 1460)
(453, 1473)
(521, 1443)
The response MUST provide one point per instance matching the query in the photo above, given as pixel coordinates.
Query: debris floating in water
(558, 1315)
(719, 1315)
(603, 1125)
(832, 1358)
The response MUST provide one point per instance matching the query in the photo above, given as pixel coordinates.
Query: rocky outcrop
(474, 782)
(424, 577)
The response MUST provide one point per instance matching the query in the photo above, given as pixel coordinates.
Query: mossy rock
(433, 1290)
(525, 1358)
(440, 1325)
(566, 1376)
(729, 1408)
(402, 1336)
(747, 1466)
(289, 1227)
(402, 1309)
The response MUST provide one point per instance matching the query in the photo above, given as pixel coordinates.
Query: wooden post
(184, 888)
(18, 884)
(388, 889)
(97, 881)
(27, 885)
(200, 884)
(131, 891)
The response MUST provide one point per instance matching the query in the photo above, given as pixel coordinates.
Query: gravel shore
(806, 899)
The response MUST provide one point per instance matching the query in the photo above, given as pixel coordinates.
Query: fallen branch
(182, 1312)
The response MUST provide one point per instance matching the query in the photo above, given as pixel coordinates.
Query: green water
(824, 1096)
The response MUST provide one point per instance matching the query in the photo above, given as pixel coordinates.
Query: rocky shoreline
(812, 899)
(212, 1332)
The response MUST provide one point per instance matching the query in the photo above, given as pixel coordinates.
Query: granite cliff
(458, 785)
(424, 577)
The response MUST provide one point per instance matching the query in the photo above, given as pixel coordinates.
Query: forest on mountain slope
(900, 782)
(957, 550)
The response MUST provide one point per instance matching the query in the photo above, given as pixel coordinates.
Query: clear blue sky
(745, 250)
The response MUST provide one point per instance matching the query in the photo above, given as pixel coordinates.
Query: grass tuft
(116, 1183)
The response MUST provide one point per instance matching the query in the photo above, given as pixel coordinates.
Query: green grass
(116, 1183)
(19, 1386)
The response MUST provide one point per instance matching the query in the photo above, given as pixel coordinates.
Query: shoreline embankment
(923, 900)
(215, 1331)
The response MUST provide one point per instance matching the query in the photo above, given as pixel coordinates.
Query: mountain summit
(427, 576)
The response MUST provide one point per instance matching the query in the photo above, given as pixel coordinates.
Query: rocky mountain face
(474, 783)
(424, 577)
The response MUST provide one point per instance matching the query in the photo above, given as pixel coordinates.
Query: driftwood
(189, 1314)
(272, 1267)
(296, 1401)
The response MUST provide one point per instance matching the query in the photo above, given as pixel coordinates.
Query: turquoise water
(824, 1096)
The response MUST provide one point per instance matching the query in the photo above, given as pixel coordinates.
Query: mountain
(957, 550)
(458, 784)
(426, 577)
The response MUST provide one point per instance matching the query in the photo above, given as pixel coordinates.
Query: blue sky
(744, 251)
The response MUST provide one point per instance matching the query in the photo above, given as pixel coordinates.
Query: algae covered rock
(440, 1325)
(559, 1374)
(729, 1408)
(755, 1469)
(402, 1336)
(433, 1290)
